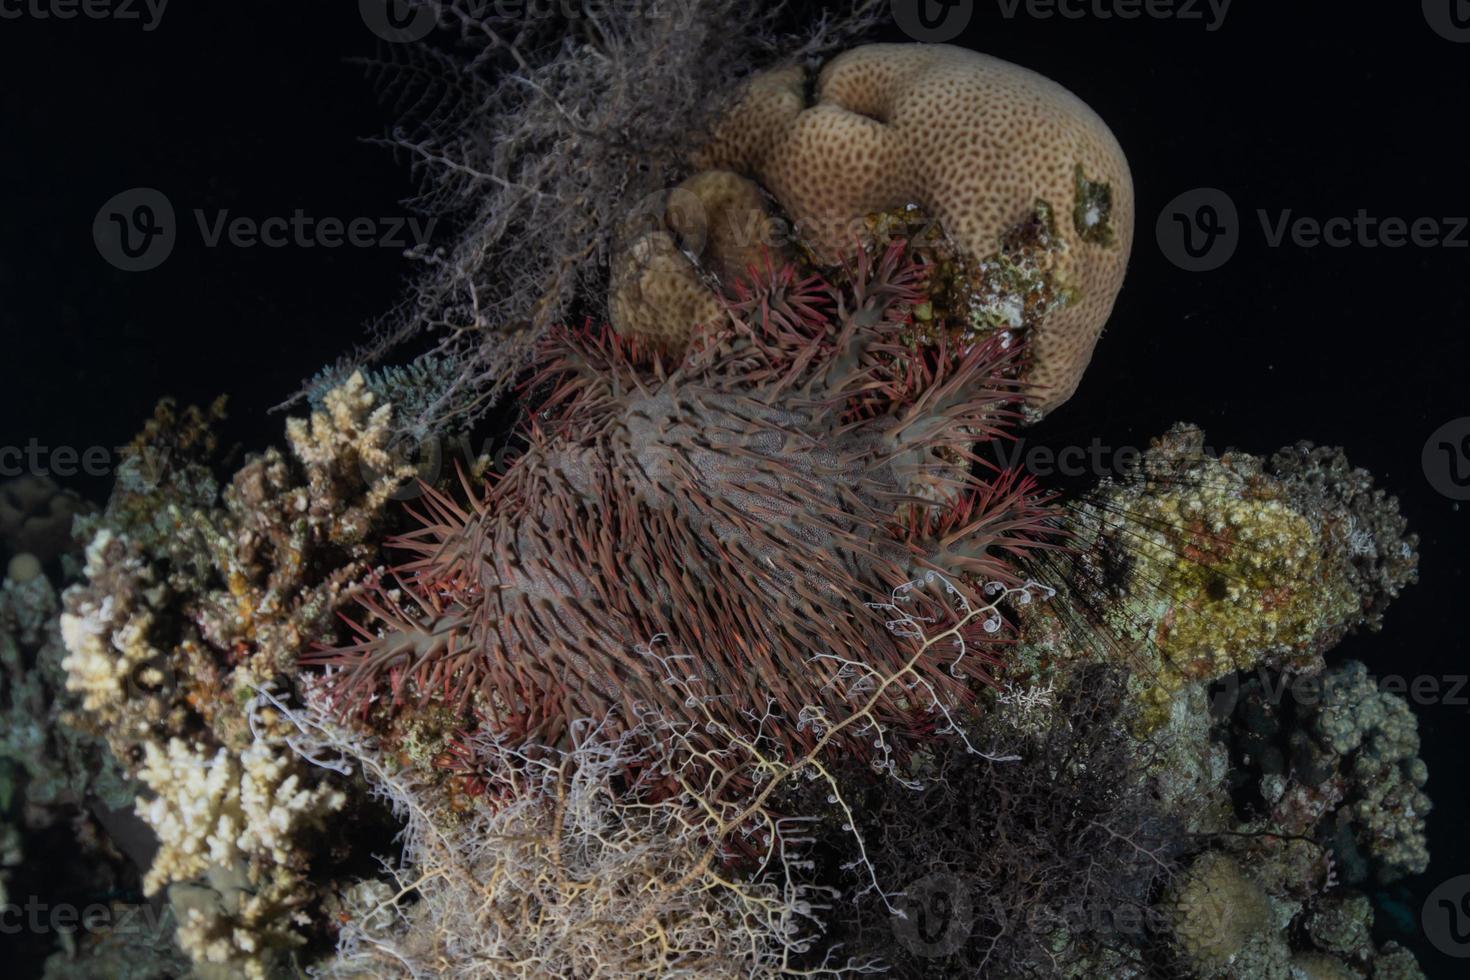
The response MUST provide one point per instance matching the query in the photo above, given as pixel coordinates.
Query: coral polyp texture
(745, 506)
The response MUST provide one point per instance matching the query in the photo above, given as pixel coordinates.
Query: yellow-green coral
(1237, 575)
(1194, 566)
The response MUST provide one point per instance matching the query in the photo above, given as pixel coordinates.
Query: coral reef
(564, 877)
(65, 835)
(1054, 837)
(1334, 751)
(743, 657)
(585, 865)
(1237, 917)
(1299, 807)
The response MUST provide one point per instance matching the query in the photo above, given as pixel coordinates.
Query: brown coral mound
(690, 245)
(973, 140)
(740, 508)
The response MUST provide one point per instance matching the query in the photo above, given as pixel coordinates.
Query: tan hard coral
(657, 294)
(722, 220)
(682, 250)
(973, 141)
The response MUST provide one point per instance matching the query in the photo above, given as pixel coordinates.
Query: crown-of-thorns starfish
(744, 506)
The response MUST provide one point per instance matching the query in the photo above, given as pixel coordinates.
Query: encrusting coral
(1219, 911)
(975, 142)
(1192, 566)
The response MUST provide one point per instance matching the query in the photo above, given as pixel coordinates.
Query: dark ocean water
(1319, 110)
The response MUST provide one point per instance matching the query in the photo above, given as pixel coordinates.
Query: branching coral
(219, 809)
(49, 772)
(745, 504)
(194, 598)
